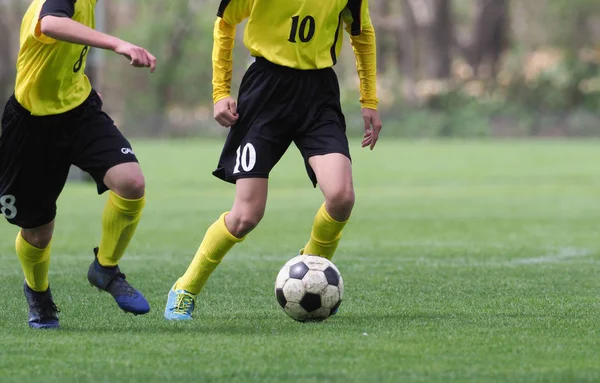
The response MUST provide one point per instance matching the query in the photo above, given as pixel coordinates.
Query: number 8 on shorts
(7, 206)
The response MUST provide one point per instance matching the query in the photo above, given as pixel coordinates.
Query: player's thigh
(326, 151)
(99, 148)
(33, 169)
(248, 206)
(250, 197)
(333, 172)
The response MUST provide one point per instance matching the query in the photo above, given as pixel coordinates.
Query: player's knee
(39, 238)
(132, 187)
(341, 202)
(241, 224)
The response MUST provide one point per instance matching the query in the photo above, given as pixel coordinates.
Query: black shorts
(277, 106)
(36, 153)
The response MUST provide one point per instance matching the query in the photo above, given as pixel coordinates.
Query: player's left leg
(334, 175)
(101, 150)
(33, 172)
(326, 153)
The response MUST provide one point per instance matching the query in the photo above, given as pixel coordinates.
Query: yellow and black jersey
(50, 73)
(300, 34)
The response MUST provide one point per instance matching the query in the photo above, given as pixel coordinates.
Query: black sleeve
(222, 6)
(355, 8)
(60, 8)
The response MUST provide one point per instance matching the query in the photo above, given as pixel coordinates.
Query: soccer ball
(309, 288)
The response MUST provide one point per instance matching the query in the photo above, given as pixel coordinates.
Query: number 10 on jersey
(306, 31)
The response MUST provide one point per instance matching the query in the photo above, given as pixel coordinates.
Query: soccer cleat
(180, 305)
(111, 280)
(43, 313)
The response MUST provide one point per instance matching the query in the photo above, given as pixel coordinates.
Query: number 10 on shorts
(245, 157)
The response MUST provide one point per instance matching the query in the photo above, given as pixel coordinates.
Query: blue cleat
(334, 310)
(111, 280)
(180, 305)
(43, 313)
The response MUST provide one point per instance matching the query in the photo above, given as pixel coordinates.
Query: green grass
(464, 262)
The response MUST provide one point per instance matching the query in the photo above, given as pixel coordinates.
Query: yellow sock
(325, 235)
(216, 243)
(119, 221)
(35, 263)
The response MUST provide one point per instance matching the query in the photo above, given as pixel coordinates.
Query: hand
(226, 112)
(138, 56)
(100, 95)
(373, 126)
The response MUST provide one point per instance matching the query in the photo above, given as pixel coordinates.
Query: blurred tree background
(447, 68)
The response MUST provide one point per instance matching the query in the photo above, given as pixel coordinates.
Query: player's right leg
(32, 175)
(33, 250)
(253, 147)
(231, 228)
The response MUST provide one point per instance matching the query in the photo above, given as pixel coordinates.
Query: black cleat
(43, 313)
(111, 280)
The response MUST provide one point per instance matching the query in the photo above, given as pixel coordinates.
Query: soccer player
(289, 94)
(53, 120)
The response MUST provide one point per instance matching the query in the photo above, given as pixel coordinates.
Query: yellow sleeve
(230, 14)
(362, 38)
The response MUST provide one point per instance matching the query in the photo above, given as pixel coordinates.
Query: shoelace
(183, 304)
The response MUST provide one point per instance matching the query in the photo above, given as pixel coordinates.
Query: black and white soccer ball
(309, 288)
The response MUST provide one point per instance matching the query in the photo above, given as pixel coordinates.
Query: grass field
(464, 262)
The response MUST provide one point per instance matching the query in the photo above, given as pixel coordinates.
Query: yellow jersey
(50, 73)
(300, 34)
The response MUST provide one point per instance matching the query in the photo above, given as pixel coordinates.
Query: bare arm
(66, 29)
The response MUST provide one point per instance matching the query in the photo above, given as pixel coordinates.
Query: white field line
(561, 255)
(556, 255)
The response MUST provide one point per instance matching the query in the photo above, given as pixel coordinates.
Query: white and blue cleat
(180, 305)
